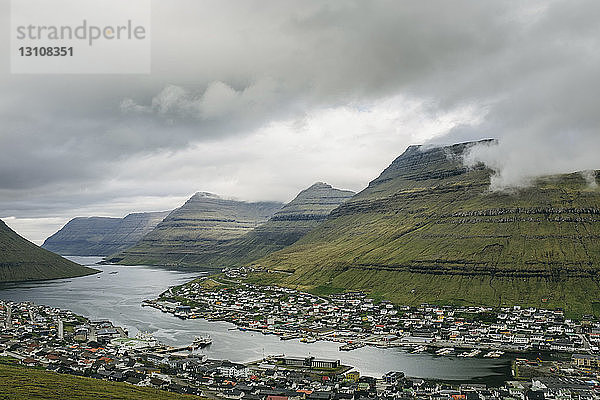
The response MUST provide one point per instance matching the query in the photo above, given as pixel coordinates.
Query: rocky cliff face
(21, 260)
(313, 204)
(212, 232)
(310, 208)
(203, 222)
(428, 229)
(101, 236)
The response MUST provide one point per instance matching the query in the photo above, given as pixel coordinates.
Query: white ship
(419, 349)
(445, 351)
(200, 342)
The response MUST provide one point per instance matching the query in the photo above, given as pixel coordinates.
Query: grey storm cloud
(221, 70)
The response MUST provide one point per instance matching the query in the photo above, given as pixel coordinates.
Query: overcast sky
(259, 99)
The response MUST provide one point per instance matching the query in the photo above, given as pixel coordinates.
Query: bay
(117, 293)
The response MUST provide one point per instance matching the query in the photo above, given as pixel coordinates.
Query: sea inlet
(117, 293)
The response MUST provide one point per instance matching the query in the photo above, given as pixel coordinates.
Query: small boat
(308, 340)
(113, 272)
(475, 353)
(200, 342)
(469, 354)
(445, 351)
(494, 354)
(351, 346)
(419, 349)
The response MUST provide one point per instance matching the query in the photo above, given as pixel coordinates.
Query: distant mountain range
(171, 242)
(101, 236)
(202, 223)
(21, 260)
(298, 217)
(428, 229)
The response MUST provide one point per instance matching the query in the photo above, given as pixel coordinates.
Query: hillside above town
(429, 229)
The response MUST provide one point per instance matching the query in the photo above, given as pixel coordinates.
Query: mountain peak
(314, 202)
(427, 166)
(456, 149)
(205, 195)
(317, 185)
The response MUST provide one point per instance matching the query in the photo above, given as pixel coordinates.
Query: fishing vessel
(351, 346)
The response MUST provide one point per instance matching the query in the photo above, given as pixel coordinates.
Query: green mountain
(204, 222)
(102, 236)
(298, 217)
(428, 229)
(21, 260)
(310, 207)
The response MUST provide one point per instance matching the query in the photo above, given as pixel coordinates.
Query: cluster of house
(59, 340)
(358, 320)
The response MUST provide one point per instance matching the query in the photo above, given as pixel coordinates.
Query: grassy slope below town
(19, 382)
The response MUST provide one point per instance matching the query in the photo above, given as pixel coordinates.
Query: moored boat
(200, 342)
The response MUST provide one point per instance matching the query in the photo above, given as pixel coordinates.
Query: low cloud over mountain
(257, 100)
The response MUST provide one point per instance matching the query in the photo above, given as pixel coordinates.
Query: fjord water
(118, 297)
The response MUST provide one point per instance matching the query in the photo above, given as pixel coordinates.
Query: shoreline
(171, 301)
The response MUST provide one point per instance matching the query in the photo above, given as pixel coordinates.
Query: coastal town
(355, 320)
(61, 341)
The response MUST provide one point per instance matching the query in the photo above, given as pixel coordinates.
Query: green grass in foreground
(17, 382)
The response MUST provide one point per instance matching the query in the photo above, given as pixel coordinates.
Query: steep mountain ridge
(288, 224)
(21, 260)
(203, 222)
(429, 230)
(101, 236)
(298, 217)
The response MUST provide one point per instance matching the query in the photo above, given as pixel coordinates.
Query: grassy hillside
(101, 236)
(310, 207)
(28, 383)
(305, 212)
(21, 260)
(204, 222)
(429, 230)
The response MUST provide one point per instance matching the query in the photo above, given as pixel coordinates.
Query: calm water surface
(118, 297)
